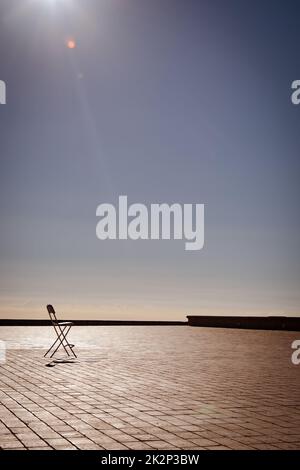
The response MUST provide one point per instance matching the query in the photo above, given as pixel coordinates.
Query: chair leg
(52, 346)
(65, 339)
(61, 338)
(63, 335)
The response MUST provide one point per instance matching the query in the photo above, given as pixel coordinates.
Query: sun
(71, 43)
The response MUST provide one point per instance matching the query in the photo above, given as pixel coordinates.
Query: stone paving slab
(172, 387)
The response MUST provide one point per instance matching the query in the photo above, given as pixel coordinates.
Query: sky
(163, 101)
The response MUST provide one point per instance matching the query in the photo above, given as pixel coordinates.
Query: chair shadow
(55, 362)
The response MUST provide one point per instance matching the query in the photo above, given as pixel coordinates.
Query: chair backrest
(52, 313)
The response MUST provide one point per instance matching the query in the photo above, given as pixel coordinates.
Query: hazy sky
(164, 101)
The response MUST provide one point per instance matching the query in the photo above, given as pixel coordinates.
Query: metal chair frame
(62, 329)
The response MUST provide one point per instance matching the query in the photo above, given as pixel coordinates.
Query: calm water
(25, 337)
(104, 337)
(121, 338)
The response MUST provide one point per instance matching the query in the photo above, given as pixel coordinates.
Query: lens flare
(71, 44)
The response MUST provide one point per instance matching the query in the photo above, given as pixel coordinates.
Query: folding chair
(62, 329)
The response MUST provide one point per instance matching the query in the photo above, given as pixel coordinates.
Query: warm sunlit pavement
(155, 388)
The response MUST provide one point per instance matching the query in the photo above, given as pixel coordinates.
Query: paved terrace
(171, 387)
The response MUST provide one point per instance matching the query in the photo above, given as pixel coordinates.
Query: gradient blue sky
(164, 101)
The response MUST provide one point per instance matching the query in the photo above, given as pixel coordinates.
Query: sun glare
(56, 2)
(71, 44)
